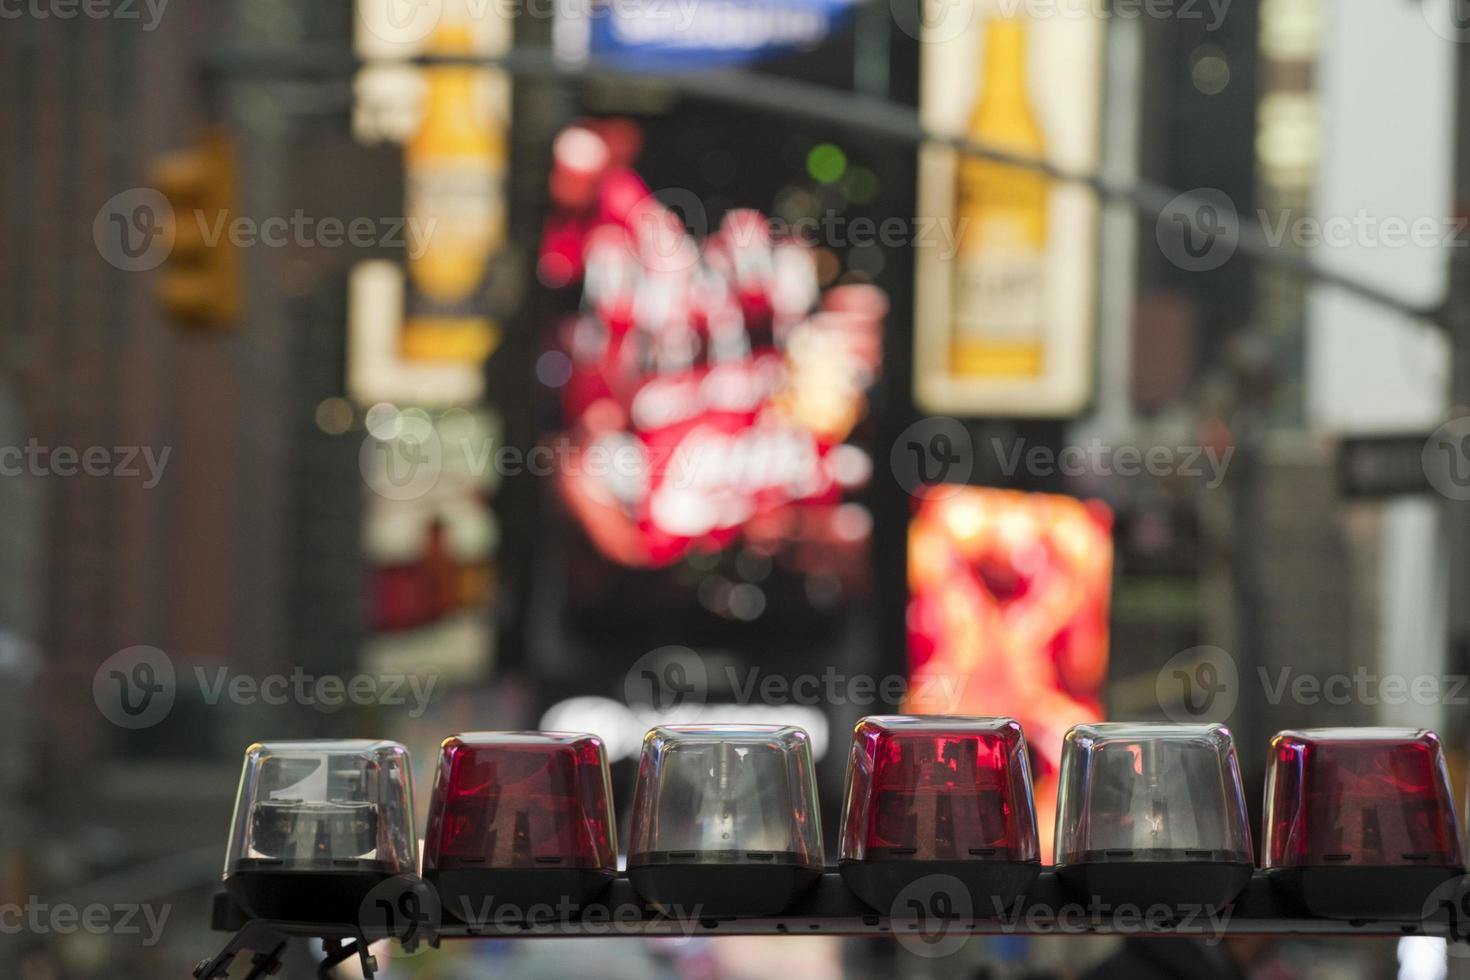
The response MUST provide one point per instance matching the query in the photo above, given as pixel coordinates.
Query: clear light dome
(315, 804)
(1151, 792)
(726, 793)
(521, 800)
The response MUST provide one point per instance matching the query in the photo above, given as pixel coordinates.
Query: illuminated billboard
(1008, 614)
(1004, 315)
(708, 386)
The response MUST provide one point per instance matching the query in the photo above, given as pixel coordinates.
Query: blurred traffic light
(200, 287)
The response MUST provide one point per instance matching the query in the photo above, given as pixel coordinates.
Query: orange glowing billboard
(1008, 611)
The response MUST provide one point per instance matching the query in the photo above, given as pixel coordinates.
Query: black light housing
(318, 825)
(1152, 814)
(725, 820)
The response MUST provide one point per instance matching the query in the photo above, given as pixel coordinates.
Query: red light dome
(939, 795)
(1360, 822)
(523, 814)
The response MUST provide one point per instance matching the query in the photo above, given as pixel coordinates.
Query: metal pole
(1455, 319)
(860, 113)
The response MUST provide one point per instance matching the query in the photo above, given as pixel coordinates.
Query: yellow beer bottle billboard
(1001, 223)
(455, 208)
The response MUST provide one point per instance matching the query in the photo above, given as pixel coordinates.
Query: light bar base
(711, 891)
(1144, 884)
(1363, 893)
(325, 896)
(478, 896)
(994, 887)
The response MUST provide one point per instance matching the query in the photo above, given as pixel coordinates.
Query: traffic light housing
(200, 284)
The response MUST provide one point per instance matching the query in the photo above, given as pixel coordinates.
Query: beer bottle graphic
(1001, 217)
(455, 208)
